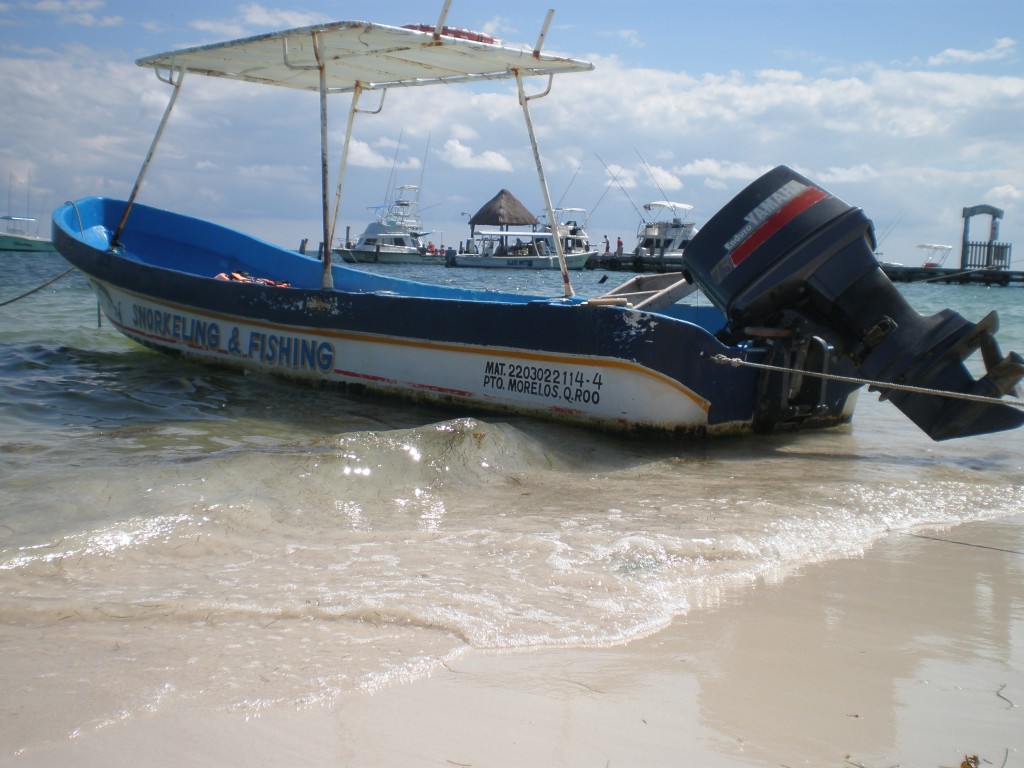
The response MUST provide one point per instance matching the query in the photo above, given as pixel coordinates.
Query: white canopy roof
(376, 56)
(683, 207)
(541, 234)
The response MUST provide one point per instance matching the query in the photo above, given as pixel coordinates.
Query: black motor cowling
(784, 248)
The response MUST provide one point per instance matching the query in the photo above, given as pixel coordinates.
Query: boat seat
(652, 292)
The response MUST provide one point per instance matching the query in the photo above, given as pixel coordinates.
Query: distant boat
(528, 246)
(663, 237)
(396, 236)
(571, 226)
(16, 236)
(511, 249)
(937, 254)
(18, 239)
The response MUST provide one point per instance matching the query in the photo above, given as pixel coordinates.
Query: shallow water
(204, 538)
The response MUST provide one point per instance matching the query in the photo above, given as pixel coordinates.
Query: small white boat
(509, 249)
(16, 235)
(661, 239)
(571, 225)
(18, 239)
(395, 236)
(936, 254)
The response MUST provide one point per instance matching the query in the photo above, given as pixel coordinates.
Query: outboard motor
(786, 254)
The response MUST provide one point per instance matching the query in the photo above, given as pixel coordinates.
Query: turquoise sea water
(179, 536)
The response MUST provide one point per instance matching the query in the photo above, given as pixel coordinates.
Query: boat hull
(572, 261)
(563, 359)
(25, 243)
(355, 256)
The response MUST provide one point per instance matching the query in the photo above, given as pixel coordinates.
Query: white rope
(736, 362)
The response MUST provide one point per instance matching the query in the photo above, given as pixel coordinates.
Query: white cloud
(1002, 49)
(225, 29)
(458, 155)
(630, 37)
(254, 17)
(664, 179)
(78, 12)
(859, 173)
(620, 176)
(209, 194)
(499, 27)
(1006, 192)
(64, 6)
(363, 155)
(722, 169)
(784, 75)
(266, 172)
(464, 132)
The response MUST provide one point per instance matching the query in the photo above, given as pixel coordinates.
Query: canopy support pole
(543, 32)
(441, 19)
(176, 83)
(327, 281)
(343, 166)
(330, 219)
(524, 103)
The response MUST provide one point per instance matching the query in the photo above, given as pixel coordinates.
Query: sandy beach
(912, 655)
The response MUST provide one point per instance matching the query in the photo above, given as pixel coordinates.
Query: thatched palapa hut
(504, 211)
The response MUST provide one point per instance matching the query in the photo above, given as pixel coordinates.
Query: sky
(908, 109)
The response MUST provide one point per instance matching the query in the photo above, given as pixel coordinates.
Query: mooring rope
(962, 543)
(38, 288)
(953, 276)
(735, 362)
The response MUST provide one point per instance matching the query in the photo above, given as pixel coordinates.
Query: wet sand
(911, 655)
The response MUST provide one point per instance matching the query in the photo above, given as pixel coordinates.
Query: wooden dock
(952, 276)
(983, 262)
(629, 262)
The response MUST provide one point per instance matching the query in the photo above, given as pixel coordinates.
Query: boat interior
(205, 249)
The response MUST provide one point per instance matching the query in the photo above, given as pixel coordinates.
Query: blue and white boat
(803, 316)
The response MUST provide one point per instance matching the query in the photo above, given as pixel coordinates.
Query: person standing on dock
(607, 245)
(618, 247)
